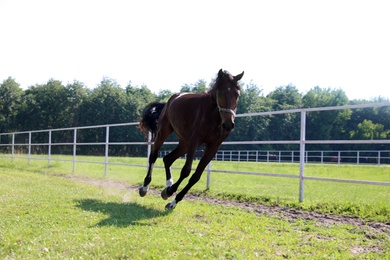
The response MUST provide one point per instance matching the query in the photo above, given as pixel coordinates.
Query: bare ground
(285, 213)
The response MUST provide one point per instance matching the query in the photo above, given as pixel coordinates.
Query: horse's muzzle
(228, 126)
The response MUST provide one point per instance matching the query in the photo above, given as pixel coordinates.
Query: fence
(328, 156)
(301, 142)
(74, 144)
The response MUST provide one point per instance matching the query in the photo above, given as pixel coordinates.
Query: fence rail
(378, 157)
(302, 154)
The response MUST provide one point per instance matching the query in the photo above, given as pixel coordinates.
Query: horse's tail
(150, 117)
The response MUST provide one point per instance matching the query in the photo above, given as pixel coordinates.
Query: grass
(44, 216)
(369, 202)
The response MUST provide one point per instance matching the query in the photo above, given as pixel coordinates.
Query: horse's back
(188, 113)
(186, 105)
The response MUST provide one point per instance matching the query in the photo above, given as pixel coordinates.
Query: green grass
(44, 216)
(369, 202)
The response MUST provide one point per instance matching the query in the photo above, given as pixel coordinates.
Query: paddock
(27, 143)
(67, 205)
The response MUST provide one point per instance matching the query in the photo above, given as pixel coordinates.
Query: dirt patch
(289, 214)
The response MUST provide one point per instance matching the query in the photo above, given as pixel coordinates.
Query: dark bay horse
(197, 119)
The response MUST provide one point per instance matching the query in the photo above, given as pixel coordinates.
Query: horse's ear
(220, 73)
(238, 77)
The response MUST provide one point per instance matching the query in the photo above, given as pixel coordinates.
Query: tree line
(56, 105)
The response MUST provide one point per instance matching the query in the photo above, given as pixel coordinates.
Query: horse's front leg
(185, 172)
(204, 161)
(169, 159)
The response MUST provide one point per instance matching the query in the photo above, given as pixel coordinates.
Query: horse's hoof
(143, 191)
(171, 205)
(164, 194)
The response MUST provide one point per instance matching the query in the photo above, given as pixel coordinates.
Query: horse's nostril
(228, 126)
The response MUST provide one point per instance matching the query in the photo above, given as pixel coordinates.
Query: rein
(221, 109)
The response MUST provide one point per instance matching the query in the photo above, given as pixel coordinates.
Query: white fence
(286, 156)
(301, 142)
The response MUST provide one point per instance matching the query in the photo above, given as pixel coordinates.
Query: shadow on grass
(121, 214)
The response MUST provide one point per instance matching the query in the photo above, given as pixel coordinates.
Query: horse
(197, 119)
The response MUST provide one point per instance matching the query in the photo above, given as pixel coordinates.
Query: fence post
(49, 150)
(338, 158)
(74, 149)
(357, 157)
(379, 157)
(208, 175)
(106, 150)
(13, 147)
(302, 156)
(29, 147)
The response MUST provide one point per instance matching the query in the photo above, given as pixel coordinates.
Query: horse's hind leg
(169, 159)
(160, 139)
(152, 159)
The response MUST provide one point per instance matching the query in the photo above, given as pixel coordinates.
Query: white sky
(165, 44)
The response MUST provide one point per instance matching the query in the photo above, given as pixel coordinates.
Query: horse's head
(227, 91)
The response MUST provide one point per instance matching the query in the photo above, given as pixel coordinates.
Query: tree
(326, 125)
(199, 87)
(285, 126)
(76, 95)
(105, 104)
(11, 96)
(164, 95)
(367, 130)
(377, 115)
(251, 128)
(45, 107)
(136, 100)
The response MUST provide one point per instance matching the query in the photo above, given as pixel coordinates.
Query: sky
(166, 44)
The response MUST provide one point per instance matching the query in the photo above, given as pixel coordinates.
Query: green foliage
(251, 128)
(11, 96)
(285, 98)
(325, 125)
(55, 105)
(164, 95)
(105, 105)
(76, 95)
(368, 130)
(198, 87)
(137, 99)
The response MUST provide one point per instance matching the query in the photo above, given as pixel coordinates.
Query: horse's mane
(218, 81)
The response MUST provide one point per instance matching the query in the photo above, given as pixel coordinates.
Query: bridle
(222, 109)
